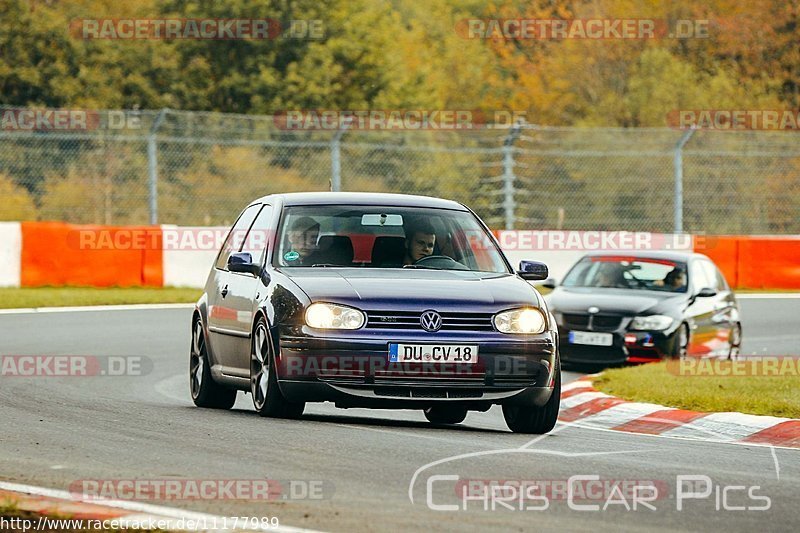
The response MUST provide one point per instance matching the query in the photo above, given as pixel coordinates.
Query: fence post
(336, 156)
(678, 170)
(508, 175)
(152, 165)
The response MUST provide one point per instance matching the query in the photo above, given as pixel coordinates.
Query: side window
(721, 281)
(258, 237)
(712, 275)
(698, 276)
(236, 236)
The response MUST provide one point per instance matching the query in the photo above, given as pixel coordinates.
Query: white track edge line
(79, 309)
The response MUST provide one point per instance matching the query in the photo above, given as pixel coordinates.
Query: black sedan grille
(599, 322)
(410, 320)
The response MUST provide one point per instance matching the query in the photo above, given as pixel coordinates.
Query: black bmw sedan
(373, 300)
(637, 307)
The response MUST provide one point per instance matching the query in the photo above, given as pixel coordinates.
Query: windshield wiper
(323, 265)
(424, 267)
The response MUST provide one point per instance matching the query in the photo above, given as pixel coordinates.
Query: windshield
(385, 237)
(628, 273)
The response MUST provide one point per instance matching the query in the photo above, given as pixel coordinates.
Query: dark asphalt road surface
(56, 431)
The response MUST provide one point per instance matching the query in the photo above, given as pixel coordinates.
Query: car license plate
(433, 353)
(591, 338)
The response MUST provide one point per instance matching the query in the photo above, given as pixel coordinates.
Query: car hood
(614, 301)
(409, 289)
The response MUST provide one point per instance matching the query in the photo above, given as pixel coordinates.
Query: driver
(420, 240)
(675, 280)
(302, 237)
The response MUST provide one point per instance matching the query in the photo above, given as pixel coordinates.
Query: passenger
(302, 239)
(420, 240)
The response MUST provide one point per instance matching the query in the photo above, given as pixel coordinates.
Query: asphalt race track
(56, 431)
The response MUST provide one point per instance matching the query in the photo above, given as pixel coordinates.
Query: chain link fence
(140, 167)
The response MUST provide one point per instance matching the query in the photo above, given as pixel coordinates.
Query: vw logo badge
(431, 321)
(592, 310)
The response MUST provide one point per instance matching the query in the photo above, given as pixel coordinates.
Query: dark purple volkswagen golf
(373, 300)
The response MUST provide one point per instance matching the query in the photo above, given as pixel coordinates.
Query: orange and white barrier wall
(35, 254)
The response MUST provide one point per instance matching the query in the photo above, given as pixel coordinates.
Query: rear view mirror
(706, 292)
(242, 262)
(532, 270)
(381, 219)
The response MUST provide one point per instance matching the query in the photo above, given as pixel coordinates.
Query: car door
(700, 312)
(245, 290)
(724, 307)
(222, 317)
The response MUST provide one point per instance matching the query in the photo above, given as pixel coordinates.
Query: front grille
(598, 322)
(606, 322)
(580, 321)
(410, 320)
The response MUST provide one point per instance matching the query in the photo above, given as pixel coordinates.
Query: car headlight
(653, 322)
(526, 321)
(331, 316)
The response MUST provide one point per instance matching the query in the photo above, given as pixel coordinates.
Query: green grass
(13, 298)
(654, 383)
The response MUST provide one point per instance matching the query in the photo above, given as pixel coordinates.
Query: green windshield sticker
(291, 256)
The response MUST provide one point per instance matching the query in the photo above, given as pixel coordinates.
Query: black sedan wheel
(535, 419)
(445, 414)
(267, 397)
(680, 345)
(735, 341)
(205, 391)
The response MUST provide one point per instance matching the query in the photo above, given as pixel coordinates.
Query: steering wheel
(444, 262)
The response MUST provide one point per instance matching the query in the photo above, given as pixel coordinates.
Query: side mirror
(532, 270)
(706, 292)
(550, 283)
(242, 262)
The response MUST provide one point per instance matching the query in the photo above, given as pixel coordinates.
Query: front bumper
(354, 370)
(627, 347)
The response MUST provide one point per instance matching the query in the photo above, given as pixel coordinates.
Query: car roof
(361, 198)
(670, 255)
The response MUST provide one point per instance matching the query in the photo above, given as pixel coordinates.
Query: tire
(735, 342)
(268, 400)
(204, 390)
(532, 418)
(680, 345)
(445, 414)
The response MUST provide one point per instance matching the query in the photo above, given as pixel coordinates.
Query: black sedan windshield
(385, 237)
(628, 273)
